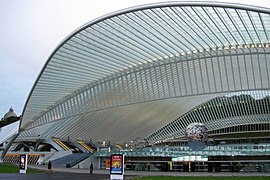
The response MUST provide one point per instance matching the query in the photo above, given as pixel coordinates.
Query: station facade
(132, 82)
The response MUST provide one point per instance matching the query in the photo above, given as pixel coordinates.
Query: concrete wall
(85, 164)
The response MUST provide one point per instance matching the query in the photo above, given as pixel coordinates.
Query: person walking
(91, 168)
(49, 167)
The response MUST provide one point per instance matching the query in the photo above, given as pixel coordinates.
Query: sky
(31, 29)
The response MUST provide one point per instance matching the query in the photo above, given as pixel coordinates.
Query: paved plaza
(41, 176)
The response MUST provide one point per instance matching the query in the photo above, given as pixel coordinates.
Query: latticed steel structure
(145, 73)
(231, 114)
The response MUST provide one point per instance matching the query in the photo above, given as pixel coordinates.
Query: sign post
(23, 163)
(117, 166)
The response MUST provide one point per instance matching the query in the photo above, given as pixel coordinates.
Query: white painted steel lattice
(126, 75)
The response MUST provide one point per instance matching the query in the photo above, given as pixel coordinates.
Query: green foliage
(8, 121)
(8, 168)
(12, 168)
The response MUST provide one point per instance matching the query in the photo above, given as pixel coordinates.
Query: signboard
(186, 158)
(204, 158)
(107, 164)
(117, 166)
(23, 163)
(180, 158)
(191, 158)
(198, 158)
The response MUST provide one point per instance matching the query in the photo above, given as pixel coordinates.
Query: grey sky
(31, 30)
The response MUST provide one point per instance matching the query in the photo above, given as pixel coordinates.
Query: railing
(15, 158)
(61, 144)
(86, 146)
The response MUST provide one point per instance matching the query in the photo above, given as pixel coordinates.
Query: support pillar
(7, 146)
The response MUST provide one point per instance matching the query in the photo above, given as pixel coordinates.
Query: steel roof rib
(74, 66)
(264, 29)
(201, 29)
(118, 42)
(125, 53)
(150, 38)
(225, 24)
(164, 32)
(244, 24)
(60, 78)
(216, 25)
(142, 71)
(214, 33)
(253, 25)
(133, 36)
(65, 71)
(189, 26)
(235, 26)
(136, 31)
(121, 46)
(174, 27)
(109, 51)
(96, 51)
(75, 58)
(186, 32)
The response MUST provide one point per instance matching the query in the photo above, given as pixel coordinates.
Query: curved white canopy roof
(125, 75)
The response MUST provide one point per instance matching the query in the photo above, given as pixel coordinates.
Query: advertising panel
(23, 163)
(117, 164)
(107, 164)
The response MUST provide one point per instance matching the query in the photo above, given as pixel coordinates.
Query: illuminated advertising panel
(116, 164)
(23, 163)
(107, 164)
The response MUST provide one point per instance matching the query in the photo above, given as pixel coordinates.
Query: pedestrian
(49, 167)
(91, 168)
